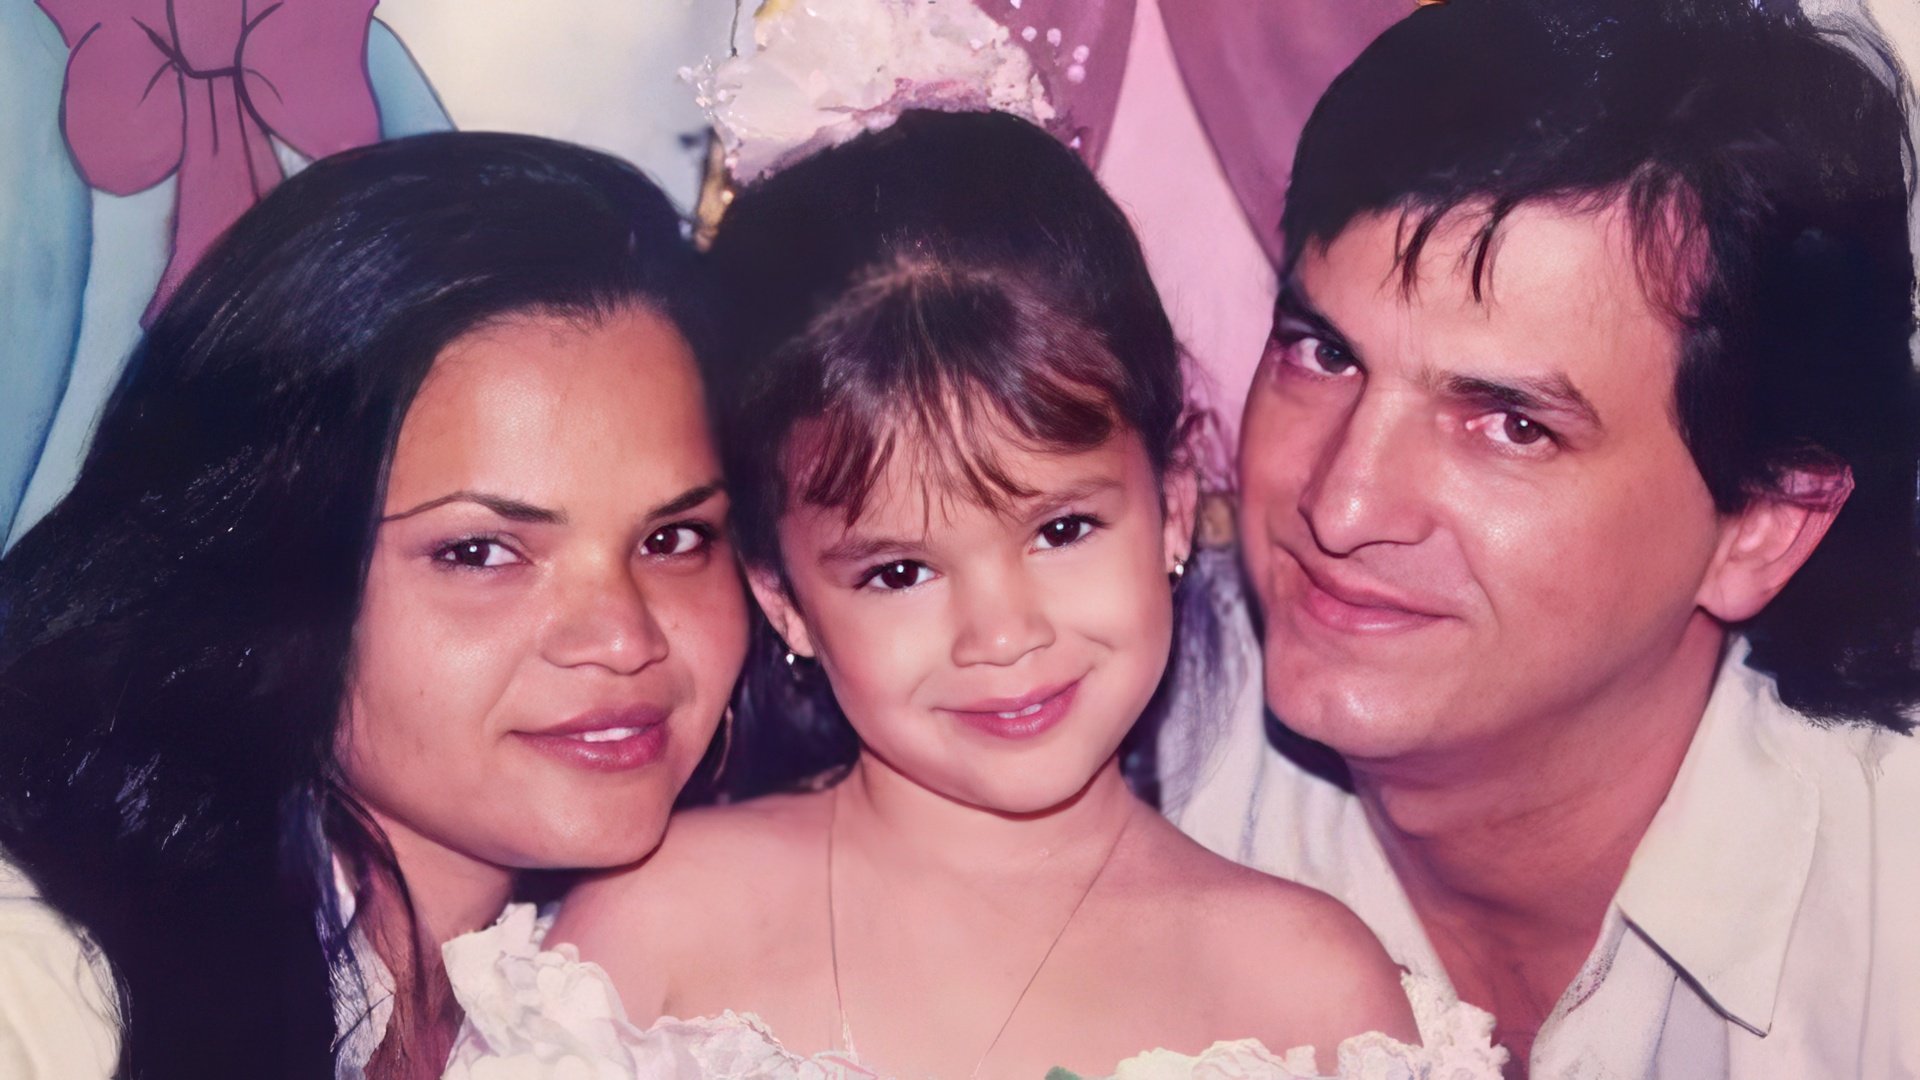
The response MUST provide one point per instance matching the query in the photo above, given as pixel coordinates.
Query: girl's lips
(1023, 717)
(608, 740)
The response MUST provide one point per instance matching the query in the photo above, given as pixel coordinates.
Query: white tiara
(823, 71)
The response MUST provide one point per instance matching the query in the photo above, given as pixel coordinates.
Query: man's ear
(782, 612)
(1763, 546)
(1180, 496)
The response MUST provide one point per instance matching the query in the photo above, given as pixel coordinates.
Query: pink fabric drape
(1254, 69)
(1079, 47)
(198, 87)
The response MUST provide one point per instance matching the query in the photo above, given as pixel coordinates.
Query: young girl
(955, 438)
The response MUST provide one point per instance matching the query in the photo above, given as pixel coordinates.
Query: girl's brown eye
(1067, 530)
(904, 574)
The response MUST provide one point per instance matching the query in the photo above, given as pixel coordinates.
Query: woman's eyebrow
(688, 499)
(511, 509)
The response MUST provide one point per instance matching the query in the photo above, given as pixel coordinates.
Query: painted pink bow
(200, 87)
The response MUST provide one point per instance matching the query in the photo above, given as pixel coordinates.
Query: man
(1577, 504)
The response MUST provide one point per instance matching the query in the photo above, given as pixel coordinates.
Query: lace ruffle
(544, 1014)
(1456, 1043)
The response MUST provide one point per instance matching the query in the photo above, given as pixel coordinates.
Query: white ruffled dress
(544, 1014)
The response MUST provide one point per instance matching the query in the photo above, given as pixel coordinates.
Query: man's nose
(1370, 480)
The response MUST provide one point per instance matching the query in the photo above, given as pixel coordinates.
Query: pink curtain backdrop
(1079, 47)
(1253, 68)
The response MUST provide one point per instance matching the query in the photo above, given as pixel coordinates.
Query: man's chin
(1359, 718)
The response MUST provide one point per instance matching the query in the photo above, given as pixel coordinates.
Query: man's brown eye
(1522, 431)
(1331, 358)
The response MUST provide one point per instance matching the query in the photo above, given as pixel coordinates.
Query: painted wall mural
(136, 130)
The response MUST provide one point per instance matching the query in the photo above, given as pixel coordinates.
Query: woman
(397, 568)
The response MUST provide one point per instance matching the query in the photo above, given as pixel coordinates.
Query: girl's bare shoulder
(713, 868)
(1289, 963)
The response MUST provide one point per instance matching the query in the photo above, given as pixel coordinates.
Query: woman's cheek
(704, 618)
(434, 658)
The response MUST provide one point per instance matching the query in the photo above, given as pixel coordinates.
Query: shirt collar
(1717, 880)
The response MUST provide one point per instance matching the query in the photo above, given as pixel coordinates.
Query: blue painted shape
(116, 248)
(45, 235)
(408, 105)
(130, 249)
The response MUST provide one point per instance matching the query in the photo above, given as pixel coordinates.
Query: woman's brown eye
(675, 540)
(476, 553)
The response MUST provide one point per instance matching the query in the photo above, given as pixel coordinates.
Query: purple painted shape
(1084, 91)
(197, 87)
(1254, 71)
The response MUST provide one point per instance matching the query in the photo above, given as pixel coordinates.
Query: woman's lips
(1023, 717)
(605, 740)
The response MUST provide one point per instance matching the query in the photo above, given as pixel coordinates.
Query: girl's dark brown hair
(918, 287)
(923, 289)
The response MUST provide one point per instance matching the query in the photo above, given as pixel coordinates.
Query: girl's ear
(774, 599)
(1180, 497)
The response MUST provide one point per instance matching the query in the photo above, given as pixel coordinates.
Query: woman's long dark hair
(175, 635)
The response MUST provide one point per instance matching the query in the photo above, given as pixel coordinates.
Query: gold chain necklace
(833, 937)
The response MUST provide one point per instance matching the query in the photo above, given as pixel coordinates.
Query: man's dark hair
(1761, 162)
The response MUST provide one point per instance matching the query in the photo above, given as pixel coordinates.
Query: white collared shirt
(59, 1011)
(1768, 924)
